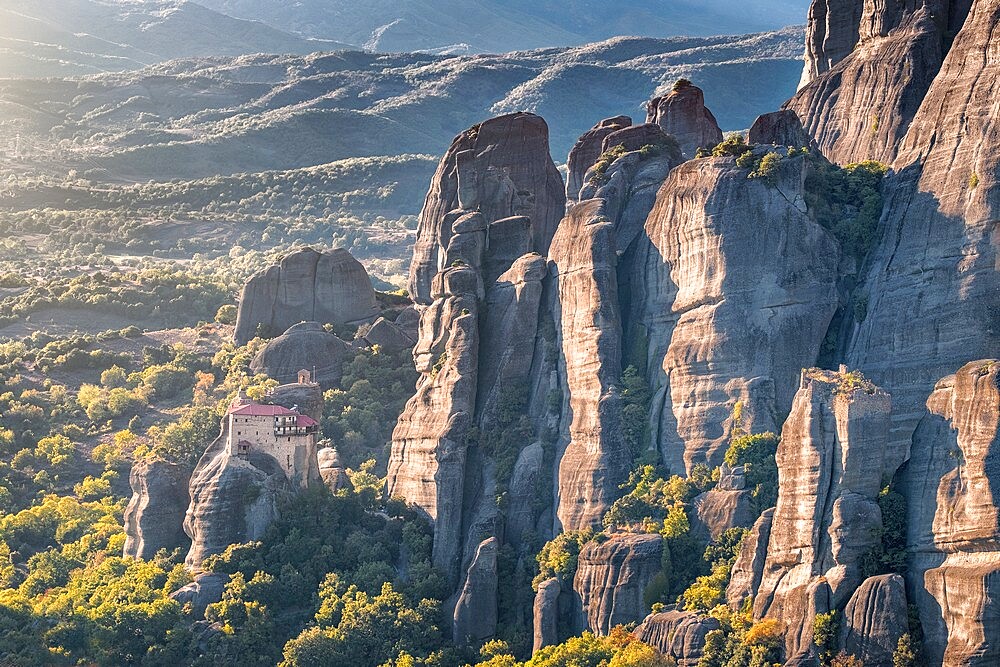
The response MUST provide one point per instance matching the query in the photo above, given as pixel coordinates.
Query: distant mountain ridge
(497, 26)
(195, 118)
(57, 38)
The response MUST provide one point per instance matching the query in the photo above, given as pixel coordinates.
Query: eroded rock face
(832, 460)
(306, 286)
(494, 203)
(718, 510)
(155, 514)
(874, 620)
(475, 617)
(951, 484)
(748, 570)
(596, 458)
(500, 168)
(593, 248)
(682, 113)
(611, 580)
(931, 289)
(861, 108)
(586, 152)
(738, 288)
(305, 346)
(678, 634)
(389, 336)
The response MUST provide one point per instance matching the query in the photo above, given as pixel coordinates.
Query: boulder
(475, 616)
(330, 287)
(389, 336)
(677, 634)
(155, 514)
(546, 614)
(874, 620)
(207, 588)
(332, 470)
(780, 128)
(305, 346)
(304, 397)
(718, 510)
(951, 483)
(832, 460)
(612, 577)
(682, 113)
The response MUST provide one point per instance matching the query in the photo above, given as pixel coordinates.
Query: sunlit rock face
(868, 67)
(307, 285)
(612, 577)
(832, 460)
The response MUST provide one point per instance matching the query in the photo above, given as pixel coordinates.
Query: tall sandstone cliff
(868, 67)
(483, 353)
(735, 290)
(933, 283)
(952, 484)
(592, 252)
(831, 464)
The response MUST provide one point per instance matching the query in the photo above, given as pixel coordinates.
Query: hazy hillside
(501, 25)
(199, 118)
(41, 38)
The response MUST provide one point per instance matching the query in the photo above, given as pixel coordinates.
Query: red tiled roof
(305, 421)
(258, 410)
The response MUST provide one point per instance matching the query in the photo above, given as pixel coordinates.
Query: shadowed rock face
(874, 619)
(934, 275)
(612, 577)
(832, 459)
(738, 288)
(306, 286)
(305, 346)
(500, 168)
(682, 114)
(475, 616)
(748, 570)
(678, 634)
(868, 68)
(951, 483)
(154, 516)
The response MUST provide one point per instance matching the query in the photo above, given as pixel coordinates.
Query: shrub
(733, 146)
(756, 453)
(825, 630)
(598, 173)
(226, 314)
